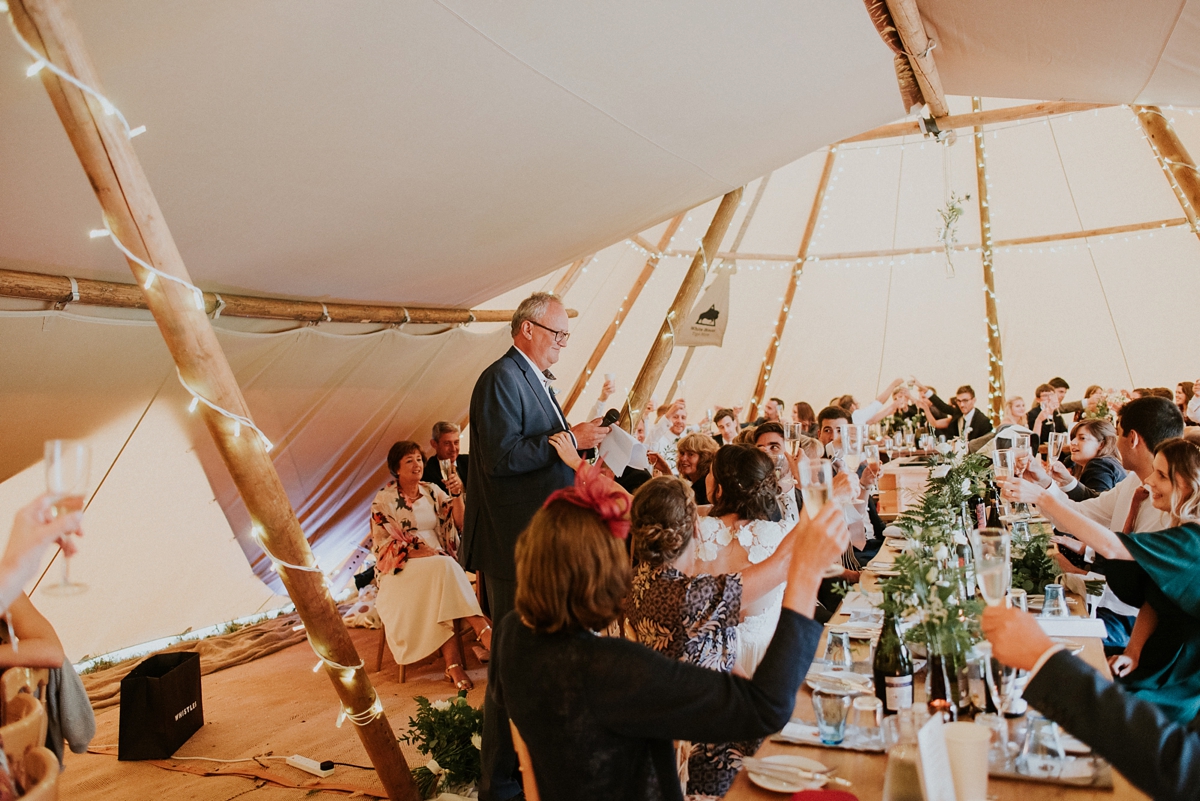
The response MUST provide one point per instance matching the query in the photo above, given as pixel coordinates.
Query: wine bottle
(893, 666)
(993, 512)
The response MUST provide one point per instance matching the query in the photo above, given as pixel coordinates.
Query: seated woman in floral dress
(422, 588)
(692, 619)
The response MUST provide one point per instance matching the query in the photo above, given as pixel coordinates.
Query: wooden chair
(40, 767)
(26, 729)
(21, 680)
(526, 763)
(458, 632)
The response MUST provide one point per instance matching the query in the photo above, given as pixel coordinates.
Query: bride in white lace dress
(737, 533)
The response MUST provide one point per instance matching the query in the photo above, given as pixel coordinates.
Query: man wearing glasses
(512, 469)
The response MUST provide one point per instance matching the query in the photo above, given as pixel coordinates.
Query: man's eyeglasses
(560, 337)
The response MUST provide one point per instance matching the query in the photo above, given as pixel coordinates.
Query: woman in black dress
(599, 714)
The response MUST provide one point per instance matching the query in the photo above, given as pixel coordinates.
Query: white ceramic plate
(1037, 601)
(884, 573)
(838, 679)
(795, 761)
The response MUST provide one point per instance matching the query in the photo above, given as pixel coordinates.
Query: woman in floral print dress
(691, 618)
(422, 588)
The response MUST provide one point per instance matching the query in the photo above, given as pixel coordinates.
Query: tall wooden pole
(627, 302)
(133, 214)
(995, 350)
(1174, 159)
(689, 290)
(768, 362)
(569, 277)
(732, 256)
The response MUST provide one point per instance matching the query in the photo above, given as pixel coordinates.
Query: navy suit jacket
(433, 471)
(513, 467)
(1158, 756)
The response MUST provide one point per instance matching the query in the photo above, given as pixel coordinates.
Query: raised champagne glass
(816, 484)
(68, 465)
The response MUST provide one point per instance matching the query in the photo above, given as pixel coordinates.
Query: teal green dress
(1166, 574)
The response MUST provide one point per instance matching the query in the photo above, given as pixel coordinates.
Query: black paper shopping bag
(161, 706)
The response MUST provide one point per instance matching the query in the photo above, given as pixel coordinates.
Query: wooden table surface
(866, 771)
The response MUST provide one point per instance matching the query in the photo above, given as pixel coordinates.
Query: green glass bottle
(893, 667)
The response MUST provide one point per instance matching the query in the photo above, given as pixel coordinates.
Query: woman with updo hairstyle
(738, 532)
(691, 618)
(599, 715)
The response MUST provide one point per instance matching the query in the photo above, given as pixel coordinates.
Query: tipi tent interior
(459, 155)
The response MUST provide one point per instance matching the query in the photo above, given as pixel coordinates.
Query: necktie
(1139, 496)
(549, 375)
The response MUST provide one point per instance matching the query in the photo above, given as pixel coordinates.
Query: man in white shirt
(877, 409)
(1193, 407)
(663, 437)
(1141, 426)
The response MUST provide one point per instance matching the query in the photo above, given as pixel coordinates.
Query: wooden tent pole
(689, 290)
(1174, 159)
(569, 277)
(627, 302)
(1030, 111)
(58, 289)
(995, 351)
(683, 366)
(919, 50)
(768, 362)
(133, 215)
(732, 256)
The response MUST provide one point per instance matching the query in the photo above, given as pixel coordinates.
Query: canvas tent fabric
(460, 154)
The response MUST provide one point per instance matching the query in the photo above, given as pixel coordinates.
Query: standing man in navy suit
(513, 468)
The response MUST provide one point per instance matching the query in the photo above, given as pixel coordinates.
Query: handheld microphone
(610, 417)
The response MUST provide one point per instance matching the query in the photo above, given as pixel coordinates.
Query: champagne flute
(1021, 450)
(992, 547)
(816, 484)
(853, 438)
(68, 464)
(1055, 447)
(871, 455)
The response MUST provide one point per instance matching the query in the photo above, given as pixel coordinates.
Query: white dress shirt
(1193, 409)
(545, 382)
(1110, 509)
(863, 415)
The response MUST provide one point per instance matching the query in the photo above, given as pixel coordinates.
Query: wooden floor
(277, 705)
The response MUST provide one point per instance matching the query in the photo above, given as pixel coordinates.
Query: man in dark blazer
(1158, 756)
(513, 468)
(962, 418)
(445, 443)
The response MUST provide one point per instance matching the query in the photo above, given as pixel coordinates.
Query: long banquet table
(866, 771)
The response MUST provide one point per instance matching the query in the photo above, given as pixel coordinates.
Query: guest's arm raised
(34, 528)
(37, 643)
(1065, 518)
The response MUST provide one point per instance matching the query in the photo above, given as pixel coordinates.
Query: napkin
(895, 531)
(620, 450)
(1073, 627)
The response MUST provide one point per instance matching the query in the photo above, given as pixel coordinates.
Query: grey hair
(443, 427)
(533, 308)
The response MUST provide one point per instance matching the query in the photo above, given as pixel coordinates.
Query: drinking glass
(1003, 463)
(1021, 446)
(992, 547)
(866, 715)
(68, 465)
(998, 751)
(910, 440)
(1055, 603)
(1042, 752)
(837, 649)
(831, 710)
(1005, 683)
(853, 438)
(1018, 599)
(791, 431)
(816, 483)
(1055, 447)
(871, 456)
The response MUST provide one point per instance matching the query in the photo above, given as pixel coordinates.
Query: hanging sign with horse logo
(705, 325)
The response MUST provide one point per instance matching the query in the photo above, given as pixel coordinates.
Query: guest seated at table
(1094, 456)
(422, 588)
(726, 422)
(1044, 418)
(772, 412)
(1014, 412)
(803, 414)
(874, 411)
(738, 532)
(692, 618)
(1159, 756)
(446, 467)
(599, 714)
(1184, 391)
(1154, 571)
(964, 420)
(695, 455)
